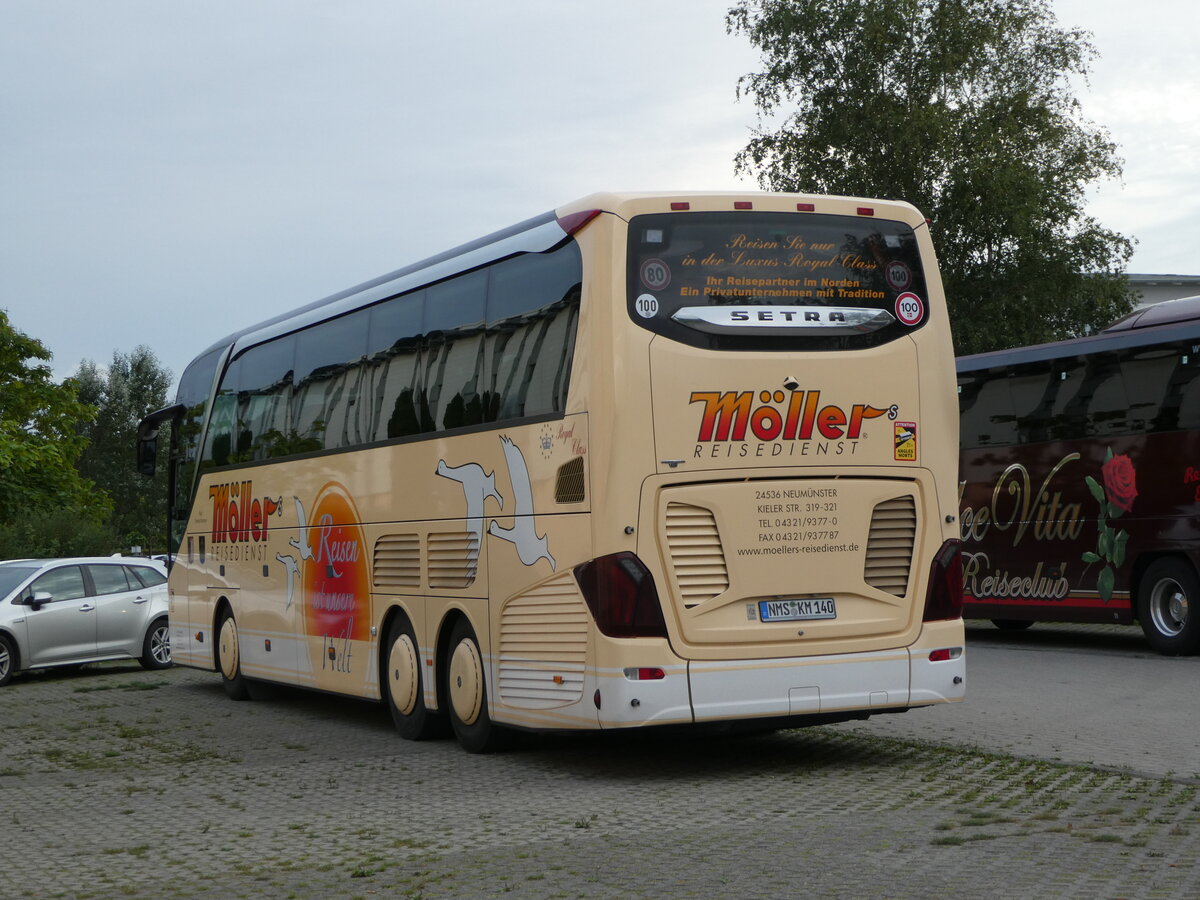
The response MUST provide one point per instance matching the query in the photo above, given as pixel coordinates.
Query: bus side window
(329, 362)
(453, 352)
(1033, 389)
(1185, 386)
(264, 427)
(533, 306)
(1147, 372)
(985, 404)
(1107, 403)
(391, 394)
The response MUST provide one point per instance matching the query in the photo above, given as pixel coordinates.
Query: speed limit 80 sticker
(910, 309)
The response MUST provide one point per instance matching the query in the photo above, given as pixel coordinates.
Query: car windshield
(11, 576)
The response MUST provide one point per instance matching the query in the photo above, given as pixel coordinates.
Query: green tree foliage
(965, 109)
(133, 385)
(40, 441)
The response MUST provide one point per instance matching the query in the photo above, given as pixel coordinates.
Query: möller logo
(831, 320)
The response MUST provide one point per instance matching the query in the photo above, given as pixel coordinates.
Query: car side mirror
(39, 599)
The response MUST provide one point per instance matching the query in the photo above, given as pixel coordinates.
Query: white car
(63, 612)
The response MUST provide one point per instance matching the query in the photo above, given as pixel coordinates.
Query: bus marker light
(806, 207)
(742, 204)
(946, 653)
(572, 222)
(634, 673)
(558, 679)
(866, 211)
(596, 698)
(681, 205)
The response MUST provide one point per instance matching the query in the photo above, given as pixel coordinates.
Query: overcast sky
(173, 170)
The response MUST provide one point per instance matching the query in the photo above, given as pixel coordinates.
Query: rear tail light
(619, 591)
(645, 674)
(944, 598)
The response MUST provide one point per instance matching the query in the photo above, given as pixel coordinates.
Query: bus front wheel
(467, 688)
(1167, 592)
(403, 684)
(229, 660)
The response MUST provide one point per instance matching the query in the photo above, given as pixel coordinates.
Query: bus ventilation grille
(453, 558)
(569, 486)
(543, 646)
(696, 553)
(890, 545)
(397, 561)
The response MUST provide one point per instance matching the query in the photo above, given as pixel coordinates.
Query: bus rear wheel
(229, 660)
(1167, 592)
(467, 690)
(403, 684)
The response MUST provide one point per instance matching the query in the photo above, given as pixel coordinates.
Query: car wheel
(1012, 624)
(403, 687)
(229, 660)
(1165, 596)
(467, 689)
(8, 660)
(156, 648)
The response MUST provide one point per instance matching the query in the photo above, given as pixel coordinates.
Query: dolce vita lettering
(1041, 509)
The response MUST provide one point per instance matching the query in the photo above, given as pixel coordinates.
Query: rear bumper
(826, 687)
(859, 682)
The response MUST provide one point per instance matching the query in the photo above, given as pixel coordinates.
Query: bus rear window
(775, 281)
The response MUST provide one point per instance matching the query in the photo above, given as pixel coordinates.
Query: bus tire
(1012, 624)
(1166, 594)
(229, 659)
(403, 684)
(467, 694)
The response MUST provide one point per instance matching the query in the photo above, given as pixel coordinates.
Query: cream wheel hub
(466, 682)
(227, 642)
(402, 674)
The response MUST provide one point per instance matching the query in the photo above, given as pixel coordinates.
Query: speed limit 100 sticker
(910, 309)
(646, 306)
(656, 274)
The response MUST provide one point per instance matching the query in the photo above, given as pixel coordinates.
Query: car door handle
(140, 599)
(87, 607)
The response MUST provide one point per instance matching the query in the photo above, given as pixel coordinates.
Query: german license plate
(797, 609)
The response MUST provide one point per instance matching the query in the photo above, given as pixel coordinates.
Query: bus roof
(536, 235)
(1171, 320)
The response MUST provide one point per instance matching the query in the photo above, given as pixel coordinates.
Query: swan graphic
(477, 487)
(301, 544)
(523, 534)
(293, 569)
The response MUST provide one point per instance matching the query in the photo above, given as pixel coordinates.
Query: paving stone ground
(115, 782)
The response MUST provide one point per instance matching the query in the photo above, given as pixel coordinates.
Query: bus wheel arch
(1168, 595)
(227, 652)
(402, 680)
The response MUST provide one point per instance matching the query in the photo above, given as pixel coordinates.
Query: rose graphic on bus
(1115, 498)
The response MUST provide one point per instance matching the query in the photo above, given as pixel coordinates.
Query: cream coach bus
(645, 460)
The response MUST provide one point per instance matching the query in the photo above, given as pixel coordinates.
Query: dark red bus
(1080, 479)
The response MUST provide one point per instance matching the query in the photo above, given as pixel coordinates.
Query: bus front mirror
(147, 455)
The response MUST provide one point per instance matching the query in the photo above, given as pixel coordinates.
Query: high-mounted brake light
(866, 211)
(944, 598)
(806, 207)
(742, 204)
(680, 205)
(619, 591)
(572, 222)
